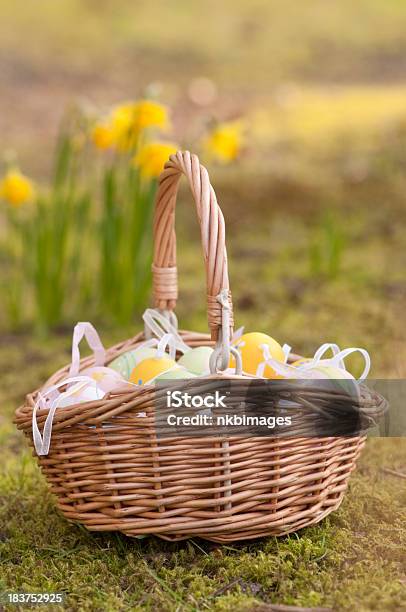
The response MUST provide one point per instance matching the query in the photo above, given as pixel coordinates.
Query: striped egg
(125, 363)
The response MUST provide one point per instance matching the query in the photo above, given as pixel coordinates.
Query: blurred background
(297, 109)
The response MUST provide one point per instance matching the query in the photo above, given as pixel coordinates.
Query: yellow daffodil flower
(16, 189)
(129, 120)
(122, 127)
(148, 113)
(224, 142)
(151, 158)
(102, 136)
(126, 123)
(122, 120)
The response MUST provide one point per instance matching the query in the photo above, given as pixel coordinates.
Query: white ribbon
(43, 442)
(237, 334)
(168, 341)
(159, 325)
(338, 360)
(339, 356)
(335, 349)
(51, 396)
(280, 368)
(86, 329)
(286, 351)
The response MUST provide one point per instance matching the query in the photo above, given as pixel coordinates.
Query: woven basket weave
(109, 471)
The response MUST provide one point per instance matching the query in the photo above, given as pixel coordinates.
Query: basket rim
(121, 399)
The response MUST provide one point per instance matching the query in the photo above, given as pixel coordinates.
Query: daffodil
(102, 136)
(129, 120)
(121, 124)
(126, 123)
(151, 158)
(16, 189)
(224, 142)
(148, 113)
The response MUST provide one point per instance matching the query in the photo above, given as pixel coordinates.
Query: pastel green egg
(341, 377)
(177, 373)
(332, 372)
(125, 363)
(197, 360)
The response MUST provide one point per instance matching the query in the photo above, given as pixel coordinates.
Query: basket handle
(211, 220)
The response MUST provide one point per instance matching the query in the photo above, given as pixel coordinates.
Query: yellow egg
(147, 369)
(251, 349)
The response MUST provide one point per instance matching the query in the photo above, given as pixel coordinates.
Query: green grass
(354, 559)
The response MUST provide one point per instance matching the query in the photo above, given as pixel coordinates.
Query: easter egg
(301, 361)
(250, 346)
(148, 369)
(177, 373)
(328, 372)
(197, 360)
(83, 391)
(106, 379)
(125, 363)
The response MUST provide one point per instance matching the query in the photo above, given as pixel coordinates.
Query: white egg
(106, 379)
(83, 391)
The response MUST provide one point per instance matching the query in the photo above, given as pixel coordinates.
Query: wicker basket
(110, 472)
